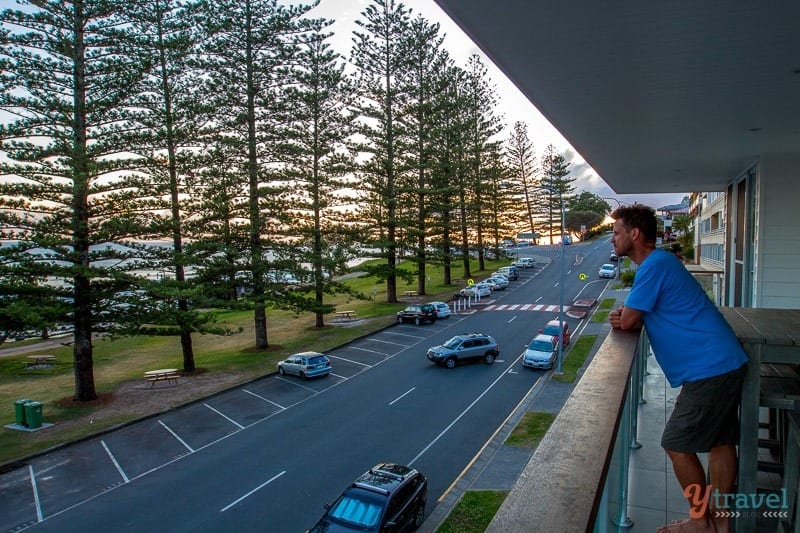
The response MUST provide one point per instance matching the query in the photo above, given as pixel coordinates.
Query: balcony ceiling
(656, 96)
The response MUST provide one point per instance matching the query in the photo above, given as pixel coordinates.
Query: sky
(513, 106)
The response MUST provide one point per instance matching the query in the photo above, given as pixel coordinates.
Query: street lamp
(559, 368)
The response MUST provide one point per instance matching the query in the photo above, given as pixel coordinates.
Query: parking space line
(267, 482)
(366, 350)
(279, 406)
(340, 377)
(37, 502)
(298, 385)
(114, 460)
(389, 342)
(229, 419)
(176, 436)
(351, 361)
(403, 335)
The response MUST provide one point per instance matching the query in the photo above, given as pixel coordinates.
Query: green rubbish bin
(33, 414)
(19, 412)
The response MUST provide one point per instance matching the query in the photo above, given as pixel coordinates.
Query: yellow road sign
(582, 276)
(470, 282)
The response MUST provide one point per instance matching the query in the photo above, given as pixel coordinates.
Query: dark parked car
(388, 497)
(417, 314)
(465, 347)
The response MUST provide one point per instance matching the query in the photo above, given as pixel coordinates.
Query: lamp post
(559, 367)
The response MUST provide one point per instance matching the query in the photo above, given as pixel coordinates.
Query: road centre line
(489, 440)
(229, 419)
(176, 436)
(114, 460)
(351, 361)
(539, 298)
(267, 482)
(409, 391)
(462, 414)
(513, 318)
(279, 406)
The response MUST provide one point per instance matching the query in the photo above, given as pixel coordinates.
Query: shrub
(627, 278)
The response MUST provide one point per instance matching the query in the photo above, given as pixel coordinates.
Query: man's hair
(638, 216)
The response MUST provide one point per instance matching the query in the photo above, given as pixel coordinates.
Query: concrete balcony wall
(563, 484)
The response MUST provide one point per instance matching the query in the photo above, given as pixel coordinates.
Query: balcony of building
(601, 467)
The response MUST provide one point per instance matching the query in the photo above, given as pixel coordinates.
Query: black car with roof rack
(387, 497)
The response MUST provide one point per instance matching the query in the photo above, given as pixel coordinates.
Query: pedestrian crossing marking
(524, 307)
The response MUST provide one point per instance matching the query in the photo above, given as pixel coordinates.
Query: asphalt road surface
(269, 454)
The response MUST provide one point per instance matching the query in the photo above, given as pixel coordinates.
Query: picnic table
(410, 293)
(162, 374)
(346, 315)
(40, 360)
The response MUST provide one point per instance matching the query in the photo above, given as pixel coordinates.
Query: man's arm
(625, 318)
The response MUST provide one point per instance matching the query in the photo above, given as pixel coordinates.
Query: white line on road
(229, 419)
(36, 500)
(403, 335)
(388, 342)
(176, 436)
(297, 384)
(456, 419)
(513, 318)
(409, 391)
(539, 298)
(267, 482)
(350, 360)
(114, 460)
(279, 406)
(365, 350)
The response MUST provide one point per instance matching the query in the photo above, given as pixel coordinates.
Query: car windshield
(452, 343)
(551, 330)
(540, 346)
(607, 267)
(361, 513)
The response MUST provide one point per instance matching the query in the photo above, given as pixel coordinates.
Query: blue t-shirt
(690, 337)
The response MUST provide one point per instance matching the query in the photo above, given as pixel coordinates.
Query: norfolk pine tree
(522, 171)
(67, 77)
(483, 127)
(555, 176)
(378, 55)
(428, 61)
(165, 141)
(317, 164)
(247, 61)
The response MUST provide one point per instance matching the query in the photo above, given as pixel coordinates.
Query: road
(268, 455)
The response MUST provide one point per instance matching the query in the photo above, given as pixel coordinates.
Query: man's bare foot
(690, 525)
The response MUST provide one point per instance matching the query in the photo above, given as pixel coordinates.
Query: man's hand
(625, 318)
(615, 317)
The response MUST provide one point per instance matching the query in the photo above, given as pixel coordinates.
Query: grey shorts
(706, 414)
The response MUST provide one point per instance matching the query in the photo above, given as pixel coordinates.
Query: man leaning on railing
(698, 351)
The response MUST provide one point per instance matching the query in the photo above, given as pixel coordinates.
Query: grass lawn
(575, 358)
(530, 429)
(120, 362)
(473, 512)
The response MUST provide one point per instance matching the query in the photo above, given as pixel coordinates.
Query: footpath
(497, 466)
